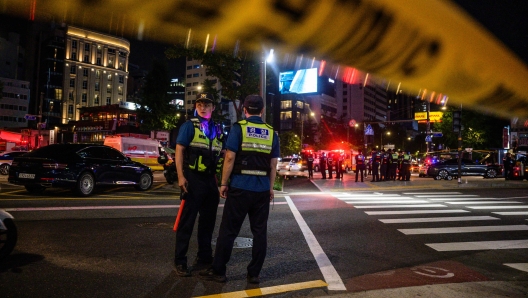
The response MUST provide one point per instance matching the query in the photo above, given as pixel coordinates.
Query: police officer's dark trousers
(359, 170)
(240, 202)
(375, 172)
(202, 198)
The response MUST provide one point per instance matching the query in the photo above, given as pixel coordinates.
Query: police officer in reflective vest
(384, 165)
(248, 175)
(406, 167)
(197, 149)
(360, 165)
(394, 160)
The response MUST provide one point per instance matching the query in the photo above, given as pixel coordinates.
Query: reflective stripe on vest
(199, 147)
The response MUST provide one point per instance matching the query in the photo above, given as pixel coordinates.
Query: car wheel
(443, 174)
(8, 238)
(35, 189)
(437, 177)
(4, 169)
(145, 182)
(449, 177)
(85, 185)
(491, 173)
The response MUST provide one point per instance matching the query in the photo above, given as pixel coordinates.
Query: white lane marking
(518, 266)
(364, 195)
(517, 197)
(386, 202)
(376, 198)
(512, 213)
(29, 209)
(330, 274)
(416, 212)
(399, 206)
(454, 230)
(432, 193)
(479, 245)
(437, 219)
(482, 202)
(467, 199)
(499, 207)
(445, 196)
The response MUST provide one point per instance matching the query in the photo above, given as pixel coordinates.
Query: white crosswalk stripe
(475, 229)
(437, 219)
(426, 203)
(518, 266)
(398, 206)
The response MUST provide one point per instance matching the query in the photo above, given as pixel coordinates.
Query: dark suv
(448, 169)
(78, 166)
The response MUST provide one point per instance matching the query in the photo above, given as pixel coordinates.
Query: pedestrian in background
(248, 175)
(384, 165)
(360, 165)
(330, 165)
(322, 165)
(376, 158)
(309, 163)
(508, 166)
(197, 148)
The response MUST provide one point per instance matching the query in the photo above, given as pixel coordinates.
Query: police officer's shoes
(252, 279)
(210, 274)
(182, 270)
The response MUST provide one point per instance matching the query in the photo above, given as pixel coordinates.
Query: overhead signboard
(30, 117)
(437, 134)
(369, 131)
(433, 116)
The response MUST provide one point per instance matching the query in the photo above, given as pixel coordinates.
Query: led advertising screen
(300, 81)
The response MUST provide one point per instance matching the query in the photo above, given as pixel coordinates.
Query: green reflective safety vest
(202, 153)
(254, 155)
(406, 159)
(394, 157)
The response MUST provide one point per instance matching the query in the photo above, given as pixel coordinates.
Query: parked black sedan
(77, 166)
(448, 169)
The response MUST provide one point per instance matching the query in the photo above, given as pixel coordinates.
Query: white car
(289, 164)
(6, 159)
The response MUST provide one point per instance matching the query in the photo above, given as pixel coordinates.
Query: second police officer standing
(197, 148)
(376, 159)
(394, 160)
(248, 176)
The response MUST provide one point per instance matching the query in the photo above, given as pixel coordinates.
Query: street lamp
(381, 139)
(265, 61)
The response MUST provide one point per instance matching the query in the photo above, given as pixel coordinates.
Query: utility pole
(39, 124)
(428, 132)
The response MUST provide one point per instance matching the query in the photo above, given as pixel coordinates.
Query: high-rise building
(14, 103)
(95, 72)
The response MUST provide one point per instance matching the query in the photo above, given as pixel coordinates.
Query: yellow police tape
(425, 44)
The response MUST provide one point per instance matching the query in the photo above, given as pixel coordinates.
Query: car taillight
(54, 166)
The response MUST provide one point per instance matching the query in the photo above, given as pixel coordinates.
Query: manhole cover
(240, 242)
(154, 225)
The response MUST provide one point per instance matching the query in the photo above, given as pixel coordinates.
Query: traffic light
(457, 121)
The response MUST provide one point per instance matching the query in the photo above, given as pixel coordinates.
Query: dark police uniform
(376, 159)
(255, 144)
(309, 162)
(360, 165)
(330, 165)
(384, 166)
(202, 146)
(322, 165)
(394, 161)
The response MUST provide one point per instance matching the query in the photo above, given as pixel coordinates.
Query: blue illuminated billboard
(300, 81)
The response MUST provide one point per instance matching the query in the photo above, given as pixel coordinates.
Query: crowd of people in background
(382, 165)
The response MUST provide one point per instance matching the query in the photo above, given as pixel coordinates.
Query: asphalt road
(326, 238)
